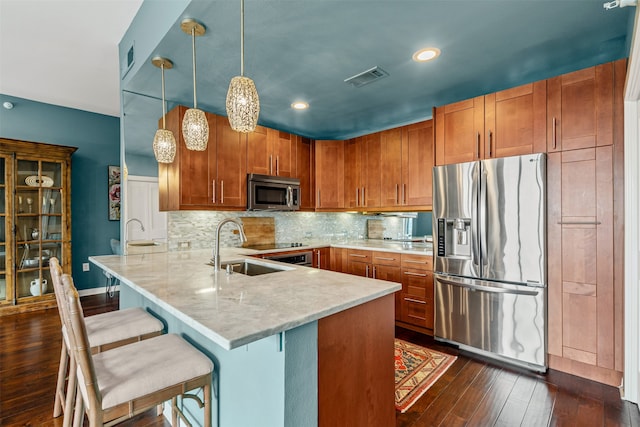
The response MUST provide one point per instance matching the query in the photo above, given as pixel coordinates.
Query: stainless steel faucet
(126, 228)
(216, 251)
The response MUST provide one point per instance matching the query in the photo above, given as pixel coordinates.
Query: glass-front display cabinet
(36, 210)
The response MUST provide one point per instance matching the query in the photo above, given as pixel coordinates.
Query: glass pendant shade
(195, 129)
(164, 146)
(243, 104)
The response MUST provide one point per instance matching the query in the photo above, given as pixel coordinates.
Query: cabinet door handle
(477, 145)
(318, 253)
(404, 194)
(364, 198)
(409, 273)
(222, 192)
(374, 272)
(357, 197)
(415, 300)
(553, 132)
(358, 255)
(277, 168)
(270, 164)
(396, 194)
(213, 184)
(489, 136)
(366, 273)
(579, 222)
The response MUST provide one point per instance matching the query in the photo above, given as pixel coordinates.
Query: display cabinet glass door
(38, 226)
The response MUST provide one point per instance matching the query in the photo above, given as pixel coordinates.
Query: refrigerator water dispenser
(454, 237)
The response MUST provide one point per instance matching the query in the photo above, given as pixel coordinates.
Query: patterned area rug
(417, 369)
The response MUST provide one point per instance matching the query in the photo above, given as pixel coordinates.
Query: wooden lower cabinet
(585, 296)
(416, 296)
(322, 258)
(338, 260)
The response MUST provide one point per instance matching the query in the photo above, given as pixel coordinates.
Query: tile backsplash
(198, 228)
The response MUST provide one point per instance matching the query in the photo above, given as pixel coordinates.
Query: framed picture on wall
(114, 193)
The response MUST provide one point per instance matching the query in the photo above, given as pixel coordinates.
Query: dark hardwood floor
(473, 392)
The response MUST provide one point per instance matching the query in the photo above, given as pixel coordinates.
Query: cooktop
(268, 246)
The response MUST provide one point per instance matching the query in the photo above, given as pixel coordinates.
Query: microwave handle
(289, 196)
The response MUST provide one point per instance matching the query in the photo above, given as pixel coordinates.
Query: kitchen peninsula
(297, 347)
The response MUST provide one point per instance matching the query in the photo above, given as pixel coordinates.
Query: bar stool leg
(71, 394)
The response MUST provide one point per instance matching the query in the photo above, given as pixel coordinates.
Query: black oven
(275, 193)
(298, 258)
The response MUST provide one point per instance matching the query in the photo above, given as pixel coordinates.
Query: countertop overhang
(235, 310)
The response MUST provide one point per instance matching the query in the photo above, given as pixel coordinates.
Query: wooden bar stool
(120, 383)
(105, 331)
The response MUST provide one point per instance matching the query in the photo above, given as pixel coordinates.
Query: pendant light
(243, 104)
(164, 143)
(195, 129)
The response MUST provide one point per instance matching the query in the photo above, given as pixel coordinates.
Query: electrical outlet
(185, 244)
(85, 266)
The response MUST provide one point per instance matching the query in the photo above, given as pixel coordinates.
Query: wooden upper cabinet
(230, 188)
(352, 173)
(372, 163)
(271, 152)
(210, 179)
(259, 155)
(515, 121)
(417, 163)
(188, 182)
(459, 131)
(391, 168)
(329, 174)
(580, 109)
(305, 171)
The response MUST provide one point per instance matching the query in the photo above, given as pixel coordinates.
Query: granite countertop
(235, 310)
(416, 248)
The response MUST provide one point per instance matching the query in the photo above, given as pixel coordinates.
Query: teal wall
(141, 165)
(98, 140)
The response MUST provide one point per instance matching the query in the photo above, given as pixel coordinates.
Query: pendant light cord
(164, 107)
(193, 48)
(242, 37)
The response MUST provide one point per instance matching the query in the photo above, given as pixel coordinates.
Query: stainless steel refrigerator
(490, 258)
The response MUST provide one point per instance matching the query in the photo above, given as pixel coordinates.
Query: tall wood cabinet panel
(271, 152)
(362, 170)
(329, 174)
(305, 171)
(259, 154)
(353, 173)
(35, 221)
(582, 318)
(210, 179)
(585, 224)
(580, 109)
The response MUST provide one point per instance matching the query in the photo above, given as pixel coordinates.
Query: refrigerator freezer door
(512, 210)
(497, 320)
(455, 219)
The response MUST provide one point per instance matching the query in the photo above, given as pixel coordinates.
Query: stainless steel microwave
(274, 193)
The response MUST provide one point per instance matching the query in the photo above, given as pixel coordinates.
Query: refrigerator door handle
(475, 227)
(490, 289)
(483, 220)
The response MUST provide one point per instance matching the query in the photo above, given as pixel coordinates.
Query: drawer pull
(415, 300)
(358, 255)
(415, 262)
(386, 259)
(409, 273)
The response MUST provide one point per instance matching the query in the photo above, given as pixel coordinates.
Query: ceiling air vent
(366, 77)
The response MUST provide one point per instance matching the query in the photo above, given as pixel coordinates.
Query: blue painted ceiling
(304, 50)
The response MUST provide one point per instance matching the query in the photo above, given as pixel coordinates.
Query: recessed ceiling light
(299, 105)
(427, 54)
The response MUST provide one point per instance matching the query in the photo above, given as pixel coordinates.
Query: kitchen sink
(250, 268)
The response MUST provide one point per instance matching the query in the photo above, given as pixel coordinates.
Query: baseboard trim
(97, 291)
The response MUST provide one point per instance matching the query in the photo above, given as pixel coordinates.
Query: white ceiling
(64, 52)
